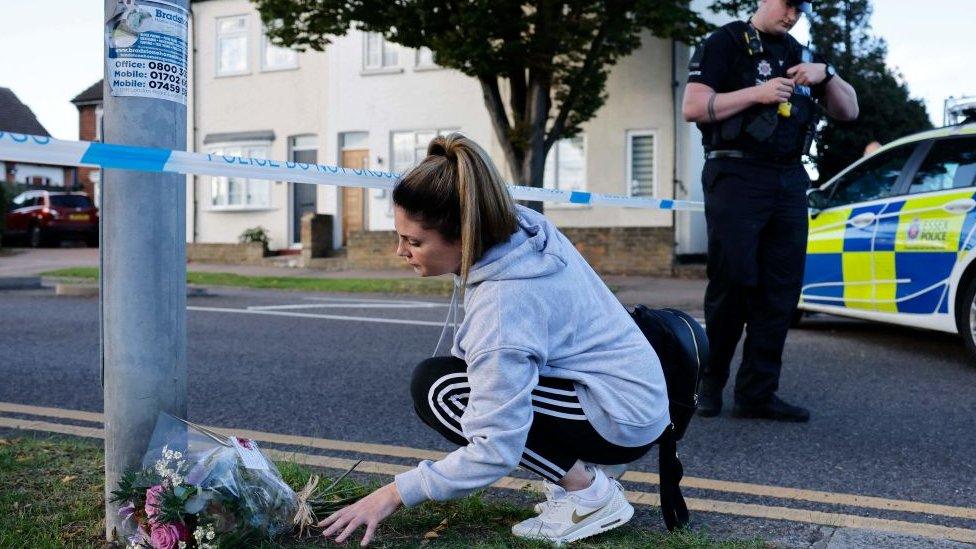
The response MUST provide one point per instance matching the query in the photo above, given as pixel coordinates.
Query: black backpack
(681, 344)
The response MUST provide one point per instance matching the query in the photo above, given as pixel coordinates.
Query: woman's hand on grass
(369, 511)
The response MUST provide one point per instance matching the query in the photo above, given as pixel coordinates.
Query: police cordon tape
(18, 147)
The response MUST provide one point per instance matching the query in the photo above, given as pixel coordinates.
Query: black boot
(710, 400)
(775, 409)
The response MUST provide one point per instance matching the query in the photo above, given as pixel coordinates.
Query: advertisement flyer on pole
(147, 50)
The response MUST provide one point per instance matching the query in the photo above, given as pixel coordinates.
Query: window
(566, 165)
(276, 58)
(238, 192)
(409, 148)
(71, 201)
(425, 59)
(232, 45)
(641, 164)
(304, 149)
(378, 54)
(29, 200)
(950, 164)
(871, 180)
(99, 114)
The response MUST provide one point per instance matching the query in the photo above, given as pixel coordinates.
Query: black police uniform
(755, 208)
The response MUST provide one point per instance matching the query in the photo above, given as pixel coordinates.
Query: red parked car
(45, 217)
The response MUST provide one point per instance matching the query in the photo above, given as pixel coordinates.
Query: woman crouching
(547, 372)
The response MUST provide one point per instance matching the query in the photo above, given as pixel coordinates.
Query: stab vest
(759, 129)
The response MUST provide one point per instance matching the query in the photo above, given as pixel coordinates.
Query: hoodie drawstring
(450, 319)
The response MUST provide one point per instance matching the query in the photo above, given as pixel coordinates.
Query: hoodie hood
(536, 249)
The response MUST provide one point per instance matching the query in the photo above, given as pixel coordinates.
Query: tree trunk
(532, 171)
(525, 154)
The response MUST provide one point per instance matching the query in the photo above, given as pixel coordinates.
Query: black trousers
(560, 433)
(757, 236)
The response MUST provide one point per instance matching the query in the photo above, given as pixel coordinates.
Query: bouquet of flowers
(200, 489)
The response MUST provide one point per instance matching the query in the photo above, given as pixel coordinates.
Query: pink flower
(154, 500)
(167, 535)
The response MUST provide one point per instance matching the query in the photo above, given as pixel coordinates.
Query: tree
(840, 30)
(548, 60)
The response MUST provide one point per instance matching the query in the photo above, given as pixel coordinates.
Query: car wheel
(35, 237)
(966, 316)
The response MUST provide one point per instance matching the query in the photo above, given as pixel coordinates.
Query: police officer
(756, 94)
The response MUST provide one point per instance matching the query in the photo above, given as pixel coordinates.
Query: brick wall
(636, 251)
(251, 253)
(86, 132)
(373, 250)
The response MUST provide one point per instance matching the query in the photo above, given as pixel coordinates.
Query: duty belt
(743, 155)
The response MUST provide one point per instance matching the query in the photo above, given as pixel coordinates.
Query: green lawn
(410, 286)
(52, 497)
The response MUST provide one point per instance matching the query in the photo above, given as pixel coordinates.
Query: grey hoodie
(534, 307)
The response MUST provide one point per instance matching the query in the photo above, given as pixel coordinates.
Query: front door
(842, 266)
(302, 195)
(937, 222)
(353, 199)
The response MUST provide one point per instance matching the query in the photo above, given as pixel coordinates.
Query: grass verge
(409, 286)
(52, 497)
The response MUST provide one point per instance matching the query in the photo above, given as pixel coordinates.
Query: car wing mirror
(816, 201)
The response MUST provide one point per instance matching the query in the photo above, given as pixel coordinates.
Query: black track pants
(560, 433)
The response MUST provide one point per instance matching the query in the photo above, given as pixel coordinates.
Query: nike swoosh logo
(577, 518)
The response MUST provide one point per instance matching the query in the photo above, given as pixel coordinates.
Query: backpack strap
(673, 506)
(744, 36)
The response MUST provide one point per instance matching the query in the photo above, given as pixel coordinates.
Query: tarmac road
(894, 410)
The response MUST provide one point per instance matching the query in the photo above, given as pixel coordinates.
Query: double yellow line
(841, 520)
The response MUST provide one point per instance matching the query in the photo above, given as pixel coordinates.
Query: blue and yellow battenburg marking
(32, 148)
(890, 257)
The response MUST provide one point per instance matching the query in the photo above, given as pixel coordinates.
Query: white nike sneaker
(565, 517)
(611, 471)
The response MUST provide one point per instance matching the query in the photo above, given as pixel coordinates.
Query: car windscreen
(71, 201)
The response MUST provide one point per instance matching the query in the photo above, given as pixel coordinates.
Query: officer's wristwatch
(831, 72)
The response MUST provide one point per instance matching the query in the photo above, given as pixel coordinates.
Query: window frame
(99, 118)
(631, 134)
(418, 66)
(437, 131)
(898, 188)
(265, 44)
(247, 45)
(382, 68)
(218, 149)
(923, 151)
(555, 159)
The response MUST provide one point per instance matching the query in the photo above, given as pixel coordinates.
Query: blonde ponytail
(458, 191)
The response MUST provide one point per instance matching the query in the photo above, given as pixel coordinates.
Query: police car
(893, 237)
